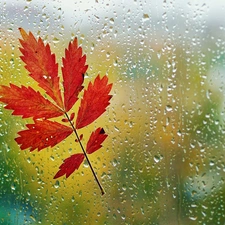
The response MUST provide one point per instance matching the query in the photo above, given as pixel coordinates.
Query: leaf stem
(85, 154)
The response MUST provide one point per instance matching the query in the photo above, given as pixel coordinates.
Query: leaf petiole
(85, 154)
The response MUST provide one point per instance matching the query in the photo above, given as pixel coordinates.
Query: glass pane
(163, 160)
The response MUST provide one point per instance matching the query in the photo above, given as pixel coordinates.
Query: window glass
(163, 161)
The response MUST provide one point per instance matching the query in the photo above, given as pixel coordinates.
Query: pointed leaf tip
(23, 32)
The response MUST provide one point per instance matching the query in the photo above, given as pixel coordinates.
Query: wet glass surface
(164, 159)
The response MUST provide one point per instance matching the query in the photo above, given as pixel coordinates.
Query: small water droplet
(156, 158)
(179, 133)
(192, 218)
(32, 217)
(55, 40)
(116, 129)
(85, 164)
(114, 162)
(103, 175)
(159, 55)
(111, 20)
(13, 187)
(169, 108)
(145, 17)
(56, 185)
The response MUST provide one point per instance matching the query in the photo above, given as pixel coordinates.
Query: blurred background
(164, 159)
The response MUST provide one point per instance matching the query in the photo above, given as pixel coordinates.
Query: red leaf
(26, 102)
(41, 64)
(95, 100)
(70, 165)
(64, 120)
(95, 140)
(73, 73)
(81, 137)
(42, 134)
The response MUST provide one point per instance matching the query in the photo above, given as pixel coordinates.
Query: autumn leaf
(73, 73)
(42, 134)
(26, 102)
(41, 64)
(70, 165)
(95, 140)
(94, 102)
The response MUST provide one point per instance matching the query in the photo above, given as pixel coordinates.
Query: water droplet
(55, 40)
(116, 129)
(145, 17)
(169, 108)
(156, 158)
(179, 133)
(32, 217)
(56, 185)
(193, 218)
(85, 163)
(13, 187)
(111, 20)
(114, 162)
(159, 55)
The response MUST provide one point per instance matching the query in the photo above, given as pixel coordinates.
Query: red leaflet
(95, 100)
(72, 116)
(70, 165)
(26, 102)
(73, 73)
(95, 140)
(64, 120)
(81, 137)
(41, 64)
(42, 134)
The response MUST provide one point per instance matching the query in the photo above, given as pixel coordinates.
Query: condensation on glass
(164, 159)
